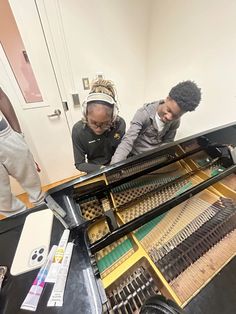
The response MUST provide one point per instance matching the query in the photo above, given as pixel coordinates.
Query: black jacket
(97, 149)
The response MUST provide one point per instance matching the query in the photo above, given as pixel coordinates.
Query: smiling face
(169, 110)
(99, 118)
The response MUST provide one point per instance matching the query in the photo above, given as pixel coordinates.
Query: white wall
(111, 38)
(194, 39)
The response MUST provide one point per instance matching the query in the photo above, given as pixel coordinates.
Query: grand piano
(162, 223)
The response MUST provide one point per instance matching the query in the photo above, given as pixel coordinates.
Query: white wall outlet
(100, 75)
(86, 84)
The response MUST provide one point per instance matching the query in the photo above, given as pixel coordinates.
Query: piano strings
(182, 244)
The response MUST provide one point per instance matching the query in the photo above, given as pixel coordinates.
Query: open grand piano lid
(65, 199)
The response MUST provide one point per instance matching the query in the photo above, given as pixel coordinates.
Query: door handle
(57, 113)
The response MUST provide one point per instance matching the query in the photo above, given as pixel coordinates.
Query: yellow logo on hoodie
(117, 136)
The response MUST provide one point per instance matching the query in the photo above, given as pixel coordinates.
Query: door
(50, 14)
(44, 122)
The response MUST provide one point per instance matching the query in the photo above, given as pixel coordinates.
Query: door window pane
(16, 54)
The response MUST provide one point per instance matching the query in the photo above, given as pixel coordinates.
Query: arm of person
(8, 112)
(171, 133)
(79, 154)
(126, 145)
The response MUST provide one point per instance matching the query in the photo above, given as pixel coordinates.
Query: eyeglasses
(102, 125)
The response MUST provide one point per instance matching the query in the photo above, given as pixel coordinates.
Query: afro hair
(187, 95)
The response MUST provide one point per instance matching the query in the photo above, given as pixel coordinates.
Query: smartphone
(33, 245)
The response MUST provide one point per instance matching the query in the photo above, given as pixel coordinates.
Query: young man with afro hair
(156, 123)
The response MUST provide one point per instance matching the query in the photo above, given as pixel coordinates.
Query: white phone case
(33, 245)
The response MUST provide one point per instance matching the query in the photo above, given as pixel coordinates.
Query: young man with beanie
(156, 123)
